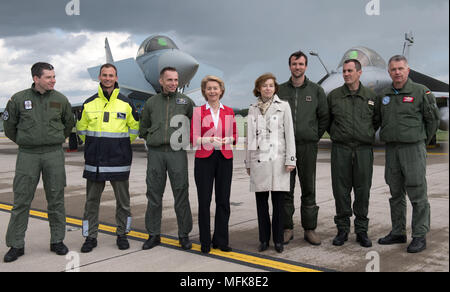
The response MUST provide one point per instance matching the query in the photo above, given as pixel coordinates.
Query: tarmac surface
(298, 255)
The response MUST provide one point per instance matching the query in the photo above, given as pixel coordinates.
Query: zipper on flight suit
(167, 121)
(295, 109)
(42, 114)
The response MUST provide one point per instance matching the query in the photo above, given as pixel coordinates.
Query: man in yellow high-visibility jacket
(108, 124)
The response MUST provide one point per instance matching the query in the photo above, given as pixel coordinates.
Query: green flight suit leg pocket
(396, 181)
(414, 166)
(54, 178)
(177, 167)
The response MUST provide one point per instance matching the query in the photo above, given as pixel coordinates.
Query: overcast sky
(243, 38)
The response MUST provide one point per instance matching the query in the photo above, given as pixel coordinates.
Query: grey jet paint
(139, 78)
(375, 75)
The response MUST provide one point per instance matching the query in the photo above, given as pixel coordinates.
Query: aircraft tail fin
(109, 57)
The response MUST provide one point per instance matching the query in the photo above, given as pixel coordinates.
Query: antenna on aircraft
(109, 57)
(409, 41)
(314, 53)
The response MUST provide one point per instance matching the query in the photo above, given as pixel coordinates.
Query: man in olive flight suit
(160, 123)
(309, 108)
(410, 119)
(38, 119)
(353, 124)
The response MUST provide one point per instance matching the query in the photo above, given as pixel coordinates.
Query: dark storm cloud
(247, 37)
(43, 45)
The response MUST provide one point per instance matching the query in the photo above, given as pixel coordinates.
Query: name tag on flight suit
(408, 99)
(55, 105)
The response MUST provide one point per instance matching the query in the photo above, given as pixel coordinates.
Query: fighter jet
(139, 77)
(376, 76)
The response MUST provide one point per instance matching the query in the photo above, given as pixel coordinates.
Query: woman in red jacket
(213, 131)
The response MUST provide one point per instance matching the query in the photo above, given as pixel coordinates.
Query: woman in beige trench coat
(270, 157)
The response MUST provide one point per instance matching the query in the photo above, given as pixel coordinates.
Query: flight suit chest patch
(181, 101)
(408, 99)
(28, 105)
(308, 98)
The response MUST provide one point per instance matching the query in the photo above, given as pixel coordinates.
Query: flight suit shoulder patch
(5, 115)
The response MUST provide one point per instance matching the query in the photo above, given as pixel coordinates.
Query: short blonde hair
(261, 80)
(214, 79)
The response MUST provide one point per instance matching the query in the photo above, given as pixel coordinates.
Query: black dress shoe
(340, 238)
(185, 243)
(263, 246)
(392, 239)
(224, 248)
(279, 247)
(152, 241)
(122, 242)
(59, 248)
(417, 245)
(89, 244)
(363, 239)
(205, 248)
(13, 254)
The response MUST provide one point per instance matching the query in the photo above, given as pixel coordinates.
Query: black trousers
(262, 206)
(207, 171)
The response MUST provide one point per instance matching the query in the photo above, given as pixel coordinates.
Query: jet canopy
(366, 56)
(155, 43)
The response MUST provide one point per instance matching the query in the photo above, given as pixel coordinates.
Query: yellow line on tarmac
(6, 207)
(236, 256)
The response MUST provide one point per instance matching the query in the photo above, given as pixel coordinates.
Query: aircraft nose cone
(185, 64)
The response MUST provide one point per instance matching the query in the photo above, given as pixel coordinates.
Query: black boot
(340, 238)
(417, 245)
(13, 254)
(392, 239)
(59, 248)
(185, 243)
(89, 244)
(122, 242)
(363, 239)
(152, 241)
